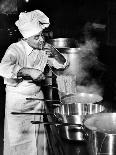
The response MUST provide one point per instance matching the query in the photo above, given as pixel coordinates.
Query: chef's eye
(39, 36)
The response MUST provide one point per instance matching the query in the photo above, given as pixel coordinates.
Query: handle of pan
(42, 100)
(25, 113)
(55, 123)
(46, 100)
(35, 99)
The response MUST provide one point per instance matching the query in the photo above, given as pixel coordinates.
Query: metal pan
(101, 131)
(85, 98)
(63, 42)
(75, 109)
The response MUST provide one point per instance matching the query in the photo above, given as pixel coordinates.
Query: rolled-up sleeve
(9, 64)
(57, 65)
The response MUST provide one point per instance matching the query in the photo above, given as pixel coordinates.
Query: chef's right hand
(37, 75)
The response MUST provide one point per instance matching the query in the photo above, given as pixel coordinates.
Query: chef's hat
(31, 23)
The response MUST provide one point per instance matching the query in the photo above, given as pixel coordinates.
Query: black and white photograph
(57, 77)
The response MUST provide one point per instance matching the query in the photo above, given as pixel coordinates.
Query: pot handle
(85, 134)
(55, 123)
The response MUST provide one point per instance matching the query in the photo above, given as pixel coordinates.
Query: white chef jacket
(17, 56)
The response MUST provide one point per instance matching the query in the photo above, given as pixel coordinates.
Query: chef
(22, 64)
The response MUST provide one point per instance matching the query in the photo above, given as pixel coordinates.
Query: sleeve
(53, 62)
(9, 64)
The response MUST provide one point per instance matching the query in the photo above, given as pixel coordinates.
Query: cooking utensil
(34, 113)
(101, 131)
(55, 103)
(75, 113)
(46, 123)
(54, 123)
(81, 98)
(73, 57)
(78, 109)
(69, 48)
(43, 100)
(74, 109)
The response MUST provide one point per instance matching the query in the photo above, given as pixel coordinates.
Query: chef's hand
(49, 50)
(30, 74)
(52, 52)
(37, 75)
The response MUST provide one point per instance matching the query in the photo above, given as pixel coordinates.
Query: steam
(92, 88)
(8, 6)
(91, 69)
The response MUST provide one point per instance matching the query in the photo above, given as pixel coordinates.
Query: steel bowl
(74, 111)
(101, 131)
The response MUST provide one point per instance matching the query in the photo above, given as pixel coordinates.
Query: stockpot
(63, 42)
(74, 112)
(82, 97)
(101, 133)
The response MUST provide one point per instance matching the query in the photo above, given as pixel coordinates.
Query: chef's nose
(41, 38)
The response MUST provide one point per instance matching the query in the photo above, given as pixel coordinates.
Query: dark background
(68, 19)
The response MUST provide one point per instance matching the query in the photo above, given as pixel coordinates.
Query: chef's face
(36, 41)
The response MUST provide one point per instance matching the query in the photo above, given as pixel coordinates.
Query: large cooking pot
(81, 98)
(63, 42)
(101, 130)
(74, 113)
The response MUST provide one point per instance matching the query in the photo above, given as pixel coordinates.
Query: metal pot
(75, 113)
(81, 98)
(63, 42)
(101, 130)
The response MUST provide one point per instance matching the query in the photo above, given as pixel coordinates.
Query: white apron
(20, 136)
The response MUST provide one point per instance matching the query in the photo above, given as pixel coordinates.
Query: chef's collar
(28, 48)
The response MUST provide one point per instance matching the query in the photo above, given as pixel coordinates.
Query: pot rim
(76, 96)
(109, 117)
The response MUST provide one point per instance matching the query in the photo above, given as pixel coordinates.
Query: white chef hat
(31, 23)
